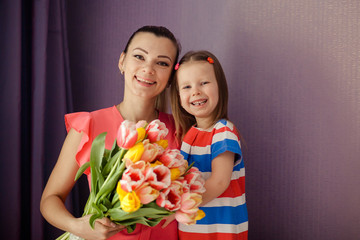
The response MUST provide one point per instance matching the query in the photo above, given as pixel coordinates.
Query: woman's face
(147, 65)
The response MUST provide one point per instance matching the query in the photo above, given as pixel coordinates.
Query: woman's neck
(138, 110)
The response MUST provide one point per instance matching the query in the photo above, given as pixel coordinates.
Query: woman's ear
(121, 62)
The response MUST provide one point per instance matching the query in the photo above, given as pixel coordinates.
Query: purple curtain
(293, 74)
(36, 93)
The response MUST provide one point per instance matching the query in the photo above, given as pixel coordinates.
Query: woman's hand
(103, 228)
(168, 220)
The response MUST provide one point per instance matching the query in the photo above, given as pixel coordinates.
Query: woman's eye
(164, 64)
(139, 57)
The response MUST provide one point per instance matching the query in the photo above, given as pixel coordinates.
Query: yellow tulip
(131, 202)
(141, 134)
(135, 153)
(163, 143)
(175, 173)
(157, 163)
(200, 215)
(120, 191)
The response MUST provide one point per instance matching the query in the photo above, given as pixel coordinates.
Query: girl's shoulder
(224, 123)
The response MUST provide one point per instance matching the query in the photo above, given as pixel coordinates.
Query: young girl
(211, 141)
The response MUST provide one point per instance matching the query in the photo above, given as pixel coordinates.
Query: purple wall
(293, 69)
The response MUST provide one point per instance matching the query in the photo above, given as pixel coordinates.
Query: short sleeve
(225, 139)
(80, 121)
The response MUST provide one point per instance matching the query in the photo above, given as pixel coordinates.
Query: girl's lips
(142, 80)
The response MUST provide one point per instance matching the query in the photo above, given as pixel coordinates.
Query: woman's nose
(148, 68)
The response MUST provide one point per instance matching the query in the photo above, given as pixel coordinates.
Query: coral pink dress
(108, 120)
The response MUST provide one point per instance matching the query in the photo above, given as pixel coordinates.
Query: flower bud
(135, 153)
(127, 135)
(130, 202)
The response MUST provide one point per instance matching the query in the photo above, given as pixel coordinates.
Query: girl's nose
(195, 92)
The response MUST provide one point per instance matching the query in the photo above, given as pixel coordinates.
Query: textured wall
(293, 69)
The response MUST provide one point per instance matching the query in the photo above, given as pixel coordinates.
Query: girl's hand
(103, 228)
(168, 220)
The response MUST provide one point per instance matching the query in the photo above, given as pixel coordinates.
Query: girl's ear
(121, 62)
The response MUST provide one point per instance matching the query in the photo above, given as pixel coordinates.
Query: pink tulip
(151, 151)
(159, 177)
(133, 177)
(195, 180)
(170, 198)
(141, 124)
(126, 135)
(172, 158)
(185, 218)
(146, 193)
(156, 131)
(189, 208)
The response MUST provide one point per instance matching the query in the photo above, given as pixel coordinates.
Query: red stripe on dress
(236, 188)
(213, 236)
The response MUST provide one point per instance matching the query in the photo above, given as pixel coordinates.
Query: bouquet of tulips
(140, 180)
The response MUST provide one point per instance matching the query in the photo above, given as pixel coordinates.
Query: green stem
(116, 171)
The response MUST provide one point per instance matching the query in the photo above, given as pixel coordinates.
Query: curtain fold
(10, 118)
(35, 95)
(52, 99)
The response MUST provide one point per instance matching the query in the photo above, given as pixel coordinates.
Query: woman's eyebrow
(160, 56)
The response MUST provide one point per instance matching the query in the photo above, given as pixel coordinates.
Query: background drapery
(293, 70)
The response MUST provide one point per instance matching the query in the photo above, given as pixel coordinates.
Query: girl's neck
(135, 110)
(204, 123)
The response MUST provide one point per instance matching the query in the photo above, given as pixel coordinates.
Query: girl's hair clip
(210, 60)
(177, 66)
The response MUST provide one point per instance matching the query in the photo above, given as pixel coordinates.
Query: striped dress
(226, 216)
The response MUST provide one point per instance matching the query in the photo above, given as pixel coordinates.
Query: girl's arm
(222, 167)
(59, 185)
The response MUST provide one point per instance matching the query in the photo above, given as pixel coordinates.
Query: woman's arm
(222, 167)
(59, 185)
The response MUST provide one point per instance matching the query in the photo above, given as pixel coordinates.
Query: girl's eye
(186, 87)
(164, 64)
(139, 57)
(204, 83)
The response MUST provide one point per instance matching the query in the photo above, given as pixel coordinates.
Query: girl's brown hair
(184, 120)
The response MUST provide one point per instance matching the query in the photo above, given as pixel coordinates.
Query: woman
(147, 64)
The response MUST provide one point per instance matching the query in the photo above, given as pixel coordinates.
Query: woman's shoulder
(82, 120)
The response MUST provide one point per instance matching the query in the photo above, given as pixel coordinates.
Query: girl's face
(198, 89)
(147, 65)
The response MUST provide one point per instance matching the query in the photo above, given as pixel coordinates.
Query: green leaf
(118, 214)
(93, 219)
(96, 155)
(82, 170)
(110, 164)
(111, 180)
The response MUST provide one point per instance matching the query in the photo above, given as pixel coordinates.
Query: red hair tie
(177, 66)
(210, 60)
